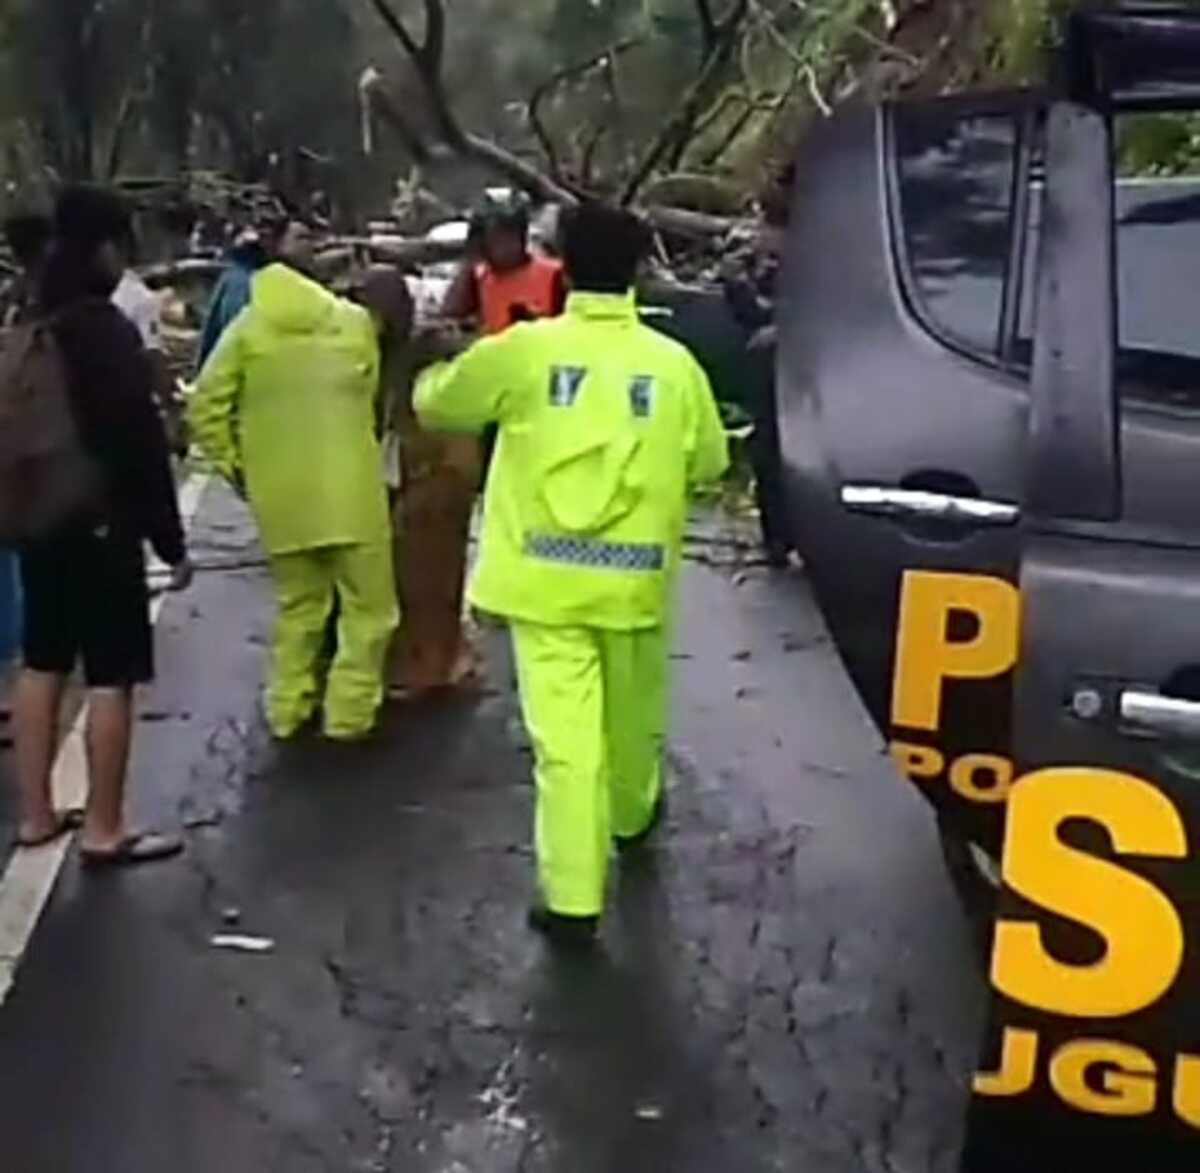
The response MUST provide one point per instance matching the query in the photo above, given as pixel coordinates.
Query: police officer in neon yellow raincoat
(604, 426)
(286, 407)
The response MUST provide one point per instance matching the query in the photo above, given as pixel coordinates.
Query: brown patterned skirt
(431, 521)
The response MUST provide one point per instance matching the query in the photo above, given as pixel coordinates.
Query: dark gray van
(989, 391)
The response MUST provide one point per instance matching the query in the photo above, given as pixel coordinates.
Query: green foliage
(269, 89)
(1159, 145)
(96, 88)
(1025, 32)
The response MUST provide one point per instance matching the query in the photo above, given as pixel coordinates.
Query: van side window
(1158, 259)
(955, 181)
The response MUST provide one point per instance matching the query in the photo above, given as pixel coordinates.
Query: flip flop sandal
(65, 822)
(134, 850)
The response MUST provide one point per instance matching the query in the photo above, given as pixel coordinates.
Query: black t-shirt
(111, 383)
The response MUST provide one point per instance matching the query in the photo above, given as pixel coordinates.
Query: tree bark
(677, 131)
(561, 77)
(427, 58)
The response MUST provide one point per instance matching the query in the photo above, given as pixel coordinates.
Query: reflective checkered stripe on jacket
(592, 552)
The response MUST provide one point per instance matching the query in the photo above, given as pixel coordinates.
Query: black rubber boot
(633, 842)
(567, 932)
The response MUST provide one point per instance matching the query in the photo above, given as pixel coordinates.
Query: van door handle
(921, 505)
(1150, 714)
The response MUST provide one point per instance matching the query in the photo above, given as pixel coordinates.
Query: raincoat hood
(289, 302)
(287, 402)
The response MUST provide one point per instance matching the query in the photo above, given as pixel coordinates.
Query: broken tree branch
(526, 176)
(709, 30)
(435, 34)
(426, 57)
(678, 131)
(398, 28)
(376, 100)
(732, 134)
(560, 78)
(697, 225)
(587, 160)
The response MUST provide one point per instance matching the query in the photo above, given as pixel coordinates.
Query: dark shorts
(85, 598)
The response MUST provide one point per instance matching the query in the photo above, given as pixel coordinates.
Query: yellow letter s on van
(1140, 926)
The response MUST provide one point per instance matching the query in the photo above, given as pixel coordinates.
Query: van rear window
(956, 180)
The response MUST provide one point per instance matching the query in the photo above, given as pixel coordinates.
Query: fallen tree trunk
(401, 251)
(397, 250)
(188, 268)
(698, 225)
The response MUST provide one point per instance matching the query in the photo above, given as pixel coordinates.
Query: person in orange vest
(503, 281)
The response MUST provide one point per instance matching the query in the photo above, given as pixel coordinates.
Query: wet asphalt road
(785, 983)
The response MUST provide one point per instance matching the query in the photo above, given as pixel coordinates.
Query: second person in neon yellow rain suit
(285, 407)
(604, 426)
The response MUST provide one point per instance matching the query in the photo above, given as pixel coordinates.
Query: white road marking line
(29, 878)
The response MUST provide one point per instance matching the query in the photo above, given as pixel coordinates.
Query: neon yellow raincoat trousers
(604, 425)
(286, 404)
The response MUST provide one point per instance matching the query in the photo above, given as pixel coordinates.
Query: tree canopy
(347, 96)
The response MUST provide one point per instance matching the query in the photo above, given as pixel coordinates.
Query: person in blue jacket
(232, 293)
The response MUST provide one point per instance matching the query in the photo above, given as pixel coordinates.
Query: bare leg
(38, 703)
(109, 734)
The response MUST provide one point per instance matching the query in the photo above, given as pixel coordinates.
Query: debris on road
(240, 944)
(203, 820)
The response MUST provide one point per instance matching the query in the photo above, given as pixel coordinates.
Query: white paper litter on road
(242, 944)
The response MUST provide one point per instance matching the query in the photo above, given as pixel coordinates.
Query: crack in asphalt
(795, 1046)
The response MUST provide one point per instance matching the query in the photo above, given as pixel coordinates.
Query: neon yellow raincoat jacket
(287, 403)
(604, 425)
(287, 400)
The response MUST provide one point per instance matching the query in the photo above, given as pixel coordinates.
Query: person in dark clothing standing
(503, 281)
(85, 586)
(749, 293)
(28, 236)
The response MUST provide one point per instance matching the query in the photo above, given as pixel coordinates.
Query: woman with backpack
(80, 510)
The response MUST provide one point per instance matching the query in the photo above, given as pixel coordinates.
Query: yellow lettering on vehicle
(1018, 1066)
(1126, 1074)
(919, 762)
(926, 656)
(1187, 1089)
(982, 777)
(1096, 1076)
(1141, 929)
